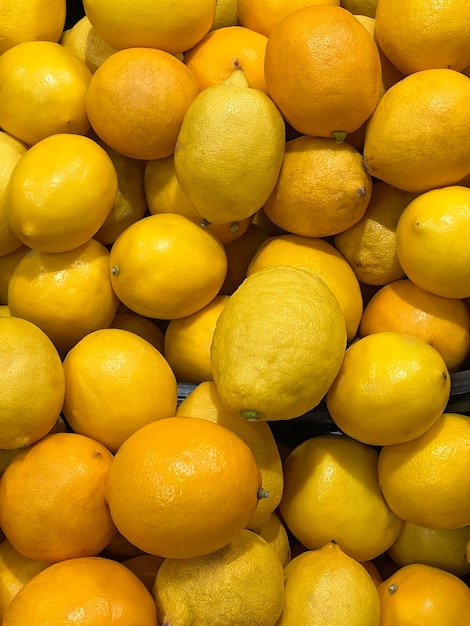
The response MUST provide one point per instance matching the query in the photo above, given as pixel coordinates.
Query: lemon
(226, 14)
(83, 40)
(230, 129)
(274, 532)
(30, 20)
(278, 344)
(391, 388)
(239, 585)
(11, 151)
(325, 587)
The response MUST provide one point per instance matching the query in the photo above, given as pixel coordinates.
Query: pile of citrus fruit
(234, 305)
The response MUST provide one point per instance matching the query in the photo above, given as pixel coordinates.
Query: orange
(60, 193)
(126, 87)
(30, 20)
(91, 591)
(83, 40)
(11, 150)
(402, 306)
(420, 594)
(142, 326)
(418, 36)
(224, 50)
(66, 294)
(32, 384)
(204, 402)
(426, 481)
(52, 498)
(193, 485)
(15, 571)
(263, 15)
(144, 23)
(42, 91)
(330, 88)
(374, 573)
(8, 262)
(145, 567)
(369, 245)
(322, 188)
(321, 258)
(188, 342)
(166, 266)
(116, 382)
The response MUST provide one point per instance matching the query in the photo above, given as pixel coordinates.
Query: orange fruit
(322, 188)
(32, 384)
(142, 326)
(89, 590)
(166, 266)
(60, 193)
(419, 36)
(129, 84)
(421, 594)
(331, 87)
(374, 573)
(106, 373)
(66, 294)
(52, 498)
(42, 91)
(8, 262)
(263, 15)
(188, 342)
(30, 20)
(143, 23)
(224, 50)
(402, 306)
(183, 469)
(11, 150)
(426, 481)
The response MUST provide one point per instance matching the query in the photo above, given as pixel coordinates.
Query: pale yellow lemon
(83, 40)
(11, 150)
(274, 532)
(226, 14)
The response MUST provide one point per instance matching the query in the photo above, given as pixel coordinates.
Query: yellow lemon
(226, 14)
(282, 330)
(326, 586)
(432, 241)
(204, 402)
(11, 151)
(426, 481)
(8, 262)
(331, 492)
(83, 40)
(31, 20)
(321, 258)
(60, 193)
(142, 326)
(239, 585)
(391, 387)
(230, 128)
(274, 532)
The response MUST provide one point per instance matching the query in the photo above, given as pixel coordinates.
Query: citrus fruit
(321, 258)
(8, 262)
(274, 532)
(369, 245)
(67, 294)
(224, 50)
(229, 128)
(326, 586)
(32, 384)
(331, 492)
(166, 266)
(188, 342)
(60, 193)
(424, 116)
(30, 21)
(145, 567)
(419, 36)
(373, 571)
(15, 571)
(83, 40)
(432, 240)
(425, 481)
(278, 310)
(116, 382)
(226, 14)
(328, 89)
(62, 512)
(402, 306)
(360, 7)
(322, 188)
(263, 15)
(204, 402)
(89, 590)
(42, 91)
(238, 585)
(391, 387)
(183, 468)
(142, 326)
(162, 84)
(145, 24)
(11, 151)
(420, 594)
(431, 546)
